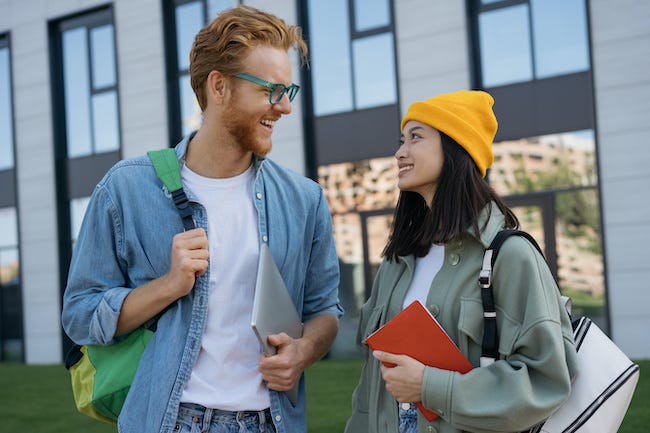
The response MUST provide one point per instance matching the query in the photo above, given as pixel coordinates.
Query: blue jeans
(194, 418)
(408, 419)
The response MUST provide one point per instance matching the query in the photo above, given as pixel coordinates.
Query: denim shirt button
(258, 195)
(278, 418)
(265, 238)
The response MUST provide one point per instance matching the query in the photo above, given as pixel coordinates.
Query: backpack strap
(490, 345)
(168, 171)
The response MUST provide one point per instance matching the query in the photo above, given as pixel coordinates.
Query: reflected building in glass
(84, 84)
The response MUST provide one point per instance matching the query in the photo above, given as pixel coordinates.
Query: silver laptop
(273, 309)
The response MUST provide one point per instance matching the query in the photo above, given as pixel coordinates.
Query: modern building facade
(84, 83)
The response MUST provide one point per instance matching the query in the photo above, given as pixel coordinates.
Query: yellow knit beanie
(464, 115)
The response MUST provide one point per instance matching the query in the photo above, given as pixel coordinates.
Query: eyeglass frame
(288, 90)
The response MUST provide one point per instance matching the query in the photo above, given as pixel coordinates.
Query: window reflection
(351, 70)
(552, 35)
(190, 110)
(374, 71)
(77, 92)
(330, 56)
(189, 20)
(90, 88)
(105, 121)
(361, 196)
(10, 299)
(78, 208)
(563, 167)
(505, 46)
(560, 37)
(580, 261)
(103, 56)
(369, 14)
(6, 118)
(216, 6)
(543, 163)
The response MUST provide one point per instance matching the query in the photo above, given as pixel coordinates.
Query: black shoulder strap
(490, 344)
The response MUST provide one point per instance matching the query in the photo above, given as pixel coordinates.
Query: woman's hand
(404, 379)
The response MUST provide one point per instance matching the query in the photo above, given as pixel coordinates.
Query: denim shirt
(125, 241)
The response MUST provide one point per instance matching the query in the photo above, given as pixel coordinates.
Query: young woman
(446, 216)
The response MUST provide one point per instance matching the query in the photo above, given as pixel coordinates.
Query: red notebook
(416, 333)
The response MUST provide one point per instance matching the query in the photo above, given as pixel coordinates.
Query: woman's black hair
(460, 196)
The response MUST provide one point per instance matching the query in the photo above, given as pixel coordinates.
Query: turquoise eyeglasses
(277, 91)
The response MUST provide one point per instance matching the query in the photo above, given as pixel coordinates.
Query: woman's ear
(216, 87)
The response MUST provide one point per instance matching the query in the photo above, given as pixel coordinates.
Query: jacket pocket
(470, 326)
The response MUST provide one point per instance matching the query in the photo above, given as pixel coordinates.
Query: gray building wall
(621, 63)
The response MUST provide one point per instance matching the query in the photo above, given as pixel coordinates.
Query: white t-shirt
(225, 375)
(426, 268)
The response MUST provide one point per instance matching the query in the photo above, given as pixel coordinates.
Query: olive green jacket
(538, 358)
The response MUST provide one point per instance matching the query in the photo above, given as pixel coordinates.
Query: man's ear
(216, 85)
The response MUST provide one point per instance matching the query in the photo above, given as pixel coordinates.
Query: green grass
(39, 399)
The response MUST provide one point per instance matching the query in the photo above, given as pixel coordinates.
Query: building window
(352, 55)
(90, 84)
(6, 112)
(535, 39)
(185, 19)
(11, 318)
(561, 170)
(11, 313)
(78, 208)
(86, 117)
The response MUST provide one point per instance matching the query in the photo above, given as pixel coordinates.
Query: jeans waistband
(198, 411)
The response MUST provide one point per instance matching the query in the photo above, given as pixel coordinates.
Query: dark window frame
(328, 138)
(77, 177)
(9, 199)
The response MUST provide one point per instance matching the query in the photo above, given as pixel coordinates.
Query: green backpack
(102, 375)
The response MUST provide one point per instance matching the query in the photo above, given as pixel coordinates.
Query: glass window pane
(544, 163)
(77, 211)
(190, 110)
(505, 46)
(6, 123)
(103, 56)
(9, 269)
(189, 20)
(77, 92)
(330, 56)
(216, 6)
(8, 227)
(106, 126)
(580, 260)
(559, 37)
(370, 14)
(374, 71)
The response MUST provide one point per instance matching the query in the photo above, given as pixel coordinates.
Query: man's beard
(243, 130)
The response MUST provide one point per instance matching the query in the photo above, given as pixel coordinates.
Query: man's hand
(282, 370)
(404, 380)
(189, 259)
